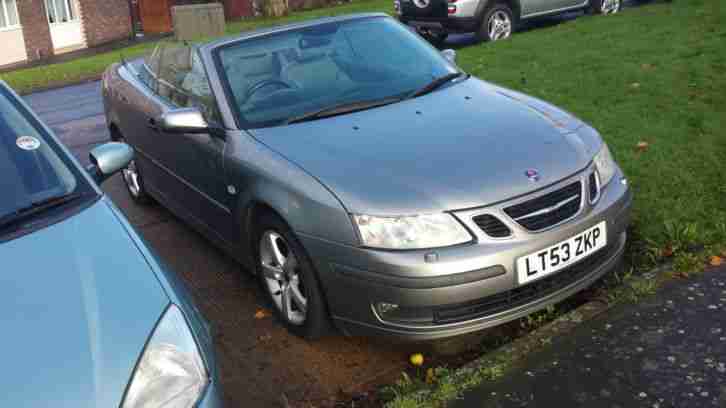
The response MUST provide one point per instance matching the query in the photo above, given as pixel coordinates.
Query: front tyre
(133, 180)
(288, 279)
(497, 24)
(605, 6)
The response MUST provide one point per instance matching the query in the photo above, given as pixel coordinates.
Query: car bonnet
(77, 305)
(463, 146)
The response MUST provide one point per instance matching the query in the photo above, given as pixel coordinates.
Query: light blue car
(90, 317)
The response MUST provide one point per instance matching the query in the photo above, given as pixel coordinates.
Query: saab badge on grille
(532, 174)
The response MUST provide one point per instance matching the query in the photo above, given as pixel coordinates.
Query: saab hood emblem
(532, 174)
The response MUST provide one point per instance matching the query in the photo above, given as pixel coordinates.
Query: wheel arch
(515, 5)
(310, 214)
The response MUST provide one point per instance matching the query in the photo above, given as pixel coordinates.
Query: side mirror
(108, 159)
(450, 55)
(184, 120)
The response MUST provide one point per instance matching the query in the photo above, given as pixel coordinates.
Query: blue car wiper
(343, 108)
(433, 85)
(22, 214)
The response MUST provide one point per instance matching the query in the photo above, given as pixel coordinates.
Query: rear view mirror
(109, 158)
(184, 120)
(450, 55)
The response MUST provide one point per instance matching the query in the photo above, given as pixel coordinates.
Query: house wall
(13, 45)
(237, 9)
(36, 32)
(105, 20)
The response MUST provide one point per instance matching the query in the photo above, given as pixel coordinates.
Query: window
(183, 82)
(60, 11)
(8, 14)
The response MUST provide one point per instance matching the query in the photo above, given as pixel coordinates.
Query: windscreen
(283, 75)
(31, 167)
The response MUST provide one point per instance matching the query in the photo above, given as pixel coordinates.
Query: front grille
(593, 187)
(522, 295)
(547, 210)
(492, 226)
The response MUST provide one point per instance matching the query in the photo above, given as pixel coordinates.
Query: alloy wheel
(499, 26)
(131, 177)
(282, 279)
(609, 6)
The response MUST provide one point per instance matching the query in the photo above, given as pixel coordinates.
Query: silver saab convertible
(367, 180)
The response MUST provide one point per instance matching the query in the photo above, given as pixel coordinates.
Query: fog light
(384, 308)
(452, 9)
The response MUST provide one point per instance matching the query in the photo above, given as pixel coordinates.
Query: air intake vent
(548, 210)
(593, 187)
(492, 226)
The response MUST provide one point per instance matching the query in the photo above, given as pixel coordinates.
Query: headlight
(171, 372)
(605, 165)
(415, 232)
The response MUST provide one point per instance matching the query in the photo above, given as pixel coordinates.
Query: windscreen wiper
(22, 214)
(343, 108)
(433, 85)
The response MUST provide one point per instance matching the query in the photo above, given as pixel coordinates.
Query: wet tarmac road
(259, 361)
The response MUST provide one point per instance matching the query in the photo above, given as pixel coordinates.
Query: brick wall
(105, 20)
(35, 29)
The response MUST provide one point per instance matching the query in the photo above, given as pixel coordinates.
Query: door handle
(151, 124)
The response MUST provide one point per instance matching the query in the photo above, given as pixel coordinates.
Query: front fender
(268, 179)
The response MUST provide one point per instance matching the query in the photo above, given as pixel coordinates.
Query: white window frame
(4, 10)
(69, 5)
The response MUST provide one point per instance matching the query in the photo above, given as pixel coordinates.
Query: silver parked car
(369, 181)
(490, 20)
(90, 317)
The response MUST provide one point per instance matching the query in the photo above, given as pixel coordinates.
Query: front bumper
(356, 279)
(442, 24)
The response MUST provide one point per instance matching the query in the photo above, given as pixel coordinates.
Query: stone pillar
(36, 31)
(105, 21)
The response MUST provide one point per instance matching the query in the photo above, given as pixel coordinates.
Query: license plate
(550, 260)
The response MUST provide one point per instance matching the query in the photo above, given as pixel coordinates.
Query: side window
(176, 63)
(196, 86)
(183, 81)
(150, 68)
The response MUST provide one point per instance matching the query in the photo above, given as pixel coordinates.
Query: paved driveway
(259, 361)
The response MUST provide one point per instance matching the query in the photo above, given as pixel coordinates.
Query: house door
(66, 27)
(155, 16)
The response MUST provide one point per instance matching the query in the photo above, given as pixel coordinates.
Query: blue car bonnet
(78, 302)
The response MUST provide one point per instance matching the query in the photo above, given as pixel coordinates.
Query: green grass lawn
(655, 74)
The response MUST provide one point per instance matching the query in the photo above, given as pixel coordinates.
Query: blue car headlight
(171, 372)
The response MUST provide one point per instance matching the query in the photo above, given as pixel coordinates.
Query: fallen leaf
(647, 67)
(417, 359)
(716, 261)
(642, 146)
(261, 314)
(667, 251)
(430, 376)
(635, 85)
